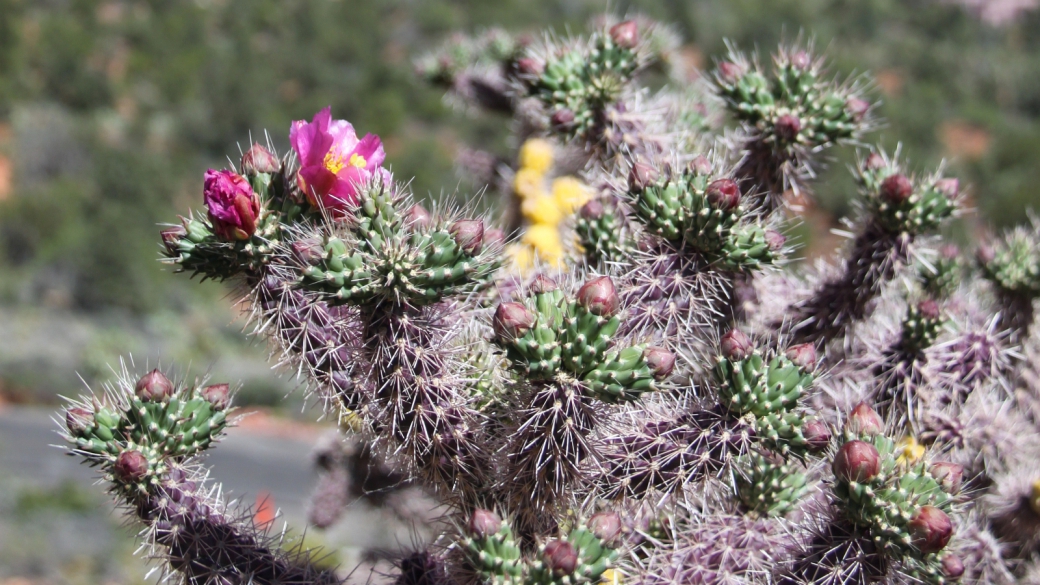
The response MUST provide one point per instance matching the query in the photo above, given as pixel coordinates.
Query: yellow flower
(542, 210)
(529, 183)
(610, 577)
(1034, 499)
(545, 240)
(522, 255)
(912, 451)
(570, 194)
(536, 154)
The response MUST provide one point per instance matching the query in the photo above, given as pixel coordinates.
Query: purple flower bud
(801, 60)
(232, 205)
(874, 162)
(529, 67)
(606, 526)
(896, 188)
(660, 361)
(817, 435)
(560, 557)
(949, 187)
(929, 309)
(494, 236)
(417, 217)
(154, 387)
(930, 529)
(803, 356)
(469, 235)
(543, 284)
(512, 320)
(131, 466)
(985, 254)
(625, 34)
(309, 251)
(856, 461)
(723, 194)
(736, 346)
(787, 127)
(641, 176)
(171, 239)
(484, 524)
(775, 240)
(79, 421)
(701, 165)
(592, 210)
(599, 297)
(857, 108)
(952, 567)
(219, 395)
(949, 475)
(730, 72)
(260, 160)
(562, 120)
(863, 420)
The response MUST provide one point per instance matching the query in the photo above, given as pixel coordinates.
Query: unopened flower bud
(730, 72)
(599, 297)
(863, 420)
(484, 523)
(787, 127)
(949, 187)
(543, 284)
(985, 254)
(592, 210)
(775, 240)
(562, 120)
(605, 525)
(625, 34)
(660, 361)
(701, 165)
(232, 206)
(512, 320)
(529, 67)
(949, 475)
(930, 529)
(856, 461)
(929, 309)
(560, 557)
(817, 435)
(801, 60)
(417, 217)
(736, 346)
(131, 466)
(309, 251)
(79, 421)
(857, 108)
(896, 188)
(874, 162)
(803, 356)
(641, 176)
(218, 395)
(469, 235)
(723, 194)
(952, 567)
(259, 160)
(171, 239)
(494, 236)
(154, 387)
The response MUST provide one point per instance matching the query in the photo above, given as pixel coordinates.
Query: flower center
(356, 160)
(335, 163)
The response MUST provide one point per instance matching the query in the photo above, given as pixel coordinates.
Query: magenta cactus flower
(233, 206)
(333, 162)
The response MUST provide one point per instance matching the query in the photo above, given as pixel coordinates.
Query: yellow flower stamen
(911, 451)
(356, 160)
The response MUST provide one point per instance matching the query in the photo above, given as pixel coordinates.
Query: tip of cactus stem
(562, 120)
(79, 421)
(949, 187)
(218, 395)
(483, 524)
(469, 235)
(856, 461)
(875, 162)
(817, 435)
(896, 188)
(730, 72)
(952, 567)
(592, 210)
(949, 475)
(775, 240)
(701, 165)
(260, 160)
(494, 236)
(512, 320)
(154, 387)
(803, 356)
(724, 194)
(788, 127)
(131, 466)
(864, 420)
(529, 67)
(857, 108)
(171, 238)
(560, 557)
(929, 309)
(736, 346)
(660, 360)
(543, 284)
(801, 60)
(606, 526)
(641, 176)
(625, 34)
(417, 217)
(930, 529)
(309, 251)
(599, 297)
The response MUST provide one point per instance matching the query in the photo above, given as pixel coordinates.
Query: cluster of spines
(601, 231)
(770, 487)
(1013, 267)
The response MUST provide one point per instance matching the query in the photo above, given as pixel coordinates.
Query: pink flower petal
(318, 181)
(371, 149)
(312, 141)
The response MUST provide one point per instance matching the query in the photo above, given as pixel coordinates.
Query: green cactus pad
(602, 238)
(769, 488)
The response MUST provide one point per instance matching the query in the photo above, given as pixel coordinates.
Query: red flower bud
(641, 176)
(817, 435)
(929, 309)
(949, 475)
(949, 187)
(723, 194)
(309, 251)
(730, 73)
(856, 461)
(484, 523)
(512, 320)
(260, 160)
(801, 60)
(232, 205)
(417, 217)
(560, 557)
(863, 420)
(562, 120)
(154, 387)
(494, 236)
(803, 356)
(529, 67)
(605, 525)
(701, 165)
(775, 240)
(660, 361)
(874, 162)
(625, 34)
(79, 421)
(736, 346)
(218, 395)
(599, 297)
(469, 235)
(896, 188)
(171, 239)
(543, 284)
(592, 210)
(787, 127)
(857, 108)
(130, 466)
(930, 529)
(952, 567)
